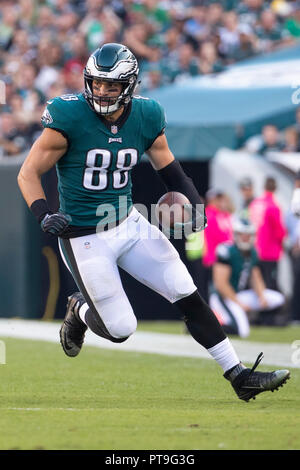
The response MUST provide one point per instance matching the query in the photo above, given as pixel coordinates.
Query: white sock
(224, 354)
(82, 311)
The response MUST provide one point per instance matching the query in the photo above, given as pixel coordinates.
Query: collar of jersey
(120, 121)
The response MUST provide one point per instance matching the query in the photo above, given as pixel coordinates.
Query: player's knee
(122, 327)
(99, 276)
(179, 282)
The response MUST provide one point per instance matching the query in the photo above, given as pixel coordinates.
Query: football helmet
(244, 233)
(112, 63)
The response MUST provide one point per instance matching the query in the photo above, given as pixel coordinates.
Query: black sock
(200, 320)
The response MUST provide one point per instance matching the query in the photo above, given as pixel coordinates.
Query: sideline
(155, 343)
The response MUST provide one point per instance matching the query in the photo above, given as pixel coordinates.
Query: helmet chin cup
(113, 104)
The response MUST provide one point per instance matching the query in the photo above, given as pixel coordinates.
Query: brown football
(170, 209)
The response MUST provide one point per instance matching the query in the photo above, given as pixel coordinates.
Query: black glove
(197, 223)
(55, 224)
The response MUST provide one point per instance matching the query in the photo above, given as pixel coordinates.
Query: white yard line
(278, 354)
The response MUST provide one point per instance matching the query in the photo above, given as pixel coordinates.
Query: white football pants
(229, 313)
(139, 248)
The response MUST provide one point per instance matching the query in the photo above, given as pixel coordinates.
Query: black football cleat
(247, 383)
(73, 329)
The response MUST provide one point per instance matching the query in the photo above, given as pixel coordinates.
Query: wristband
(40, 208)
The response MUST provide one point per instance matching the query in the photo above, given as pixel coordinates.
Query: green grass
(285, 334)
(118, 400)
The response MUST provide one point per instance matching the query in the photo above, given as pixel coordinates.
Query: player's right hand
(55, 224)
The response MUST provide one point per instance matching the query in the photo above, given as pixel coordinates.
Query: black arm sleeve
(175, 179)
(40, 208)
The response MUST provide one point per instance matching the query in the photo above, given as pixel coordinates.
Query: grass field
(118, 400)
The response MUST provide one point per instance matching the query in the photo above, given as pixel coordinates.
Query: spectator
(92, 26)
(229, 36)
(292, 23)
(219, 228)
(238, 284)
(8, 24)
(266, 215)
(136, 38)
(28, 10)
(249, 11)
(11, 142)
(172, 40)
(269, 32)
(21, 46)
(45, 22)
(50, 54)
(66, 24)
(214, 16)
(248, 43)
(196, 26)
(270, 141)
(209, 61)
(152, 77)
(247, 194)
(78, 54)
(186, 64)
(152, 12)
(291, 140)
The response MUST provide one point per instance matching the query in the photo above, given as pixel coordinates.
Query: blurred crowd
(240, 251)
(44, 46)
(273, 139)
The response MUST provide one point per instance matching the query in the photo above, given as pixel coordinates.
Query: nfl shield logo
(114, 129)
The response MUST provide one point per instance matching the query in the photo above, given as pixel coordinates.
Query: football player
(94, 139)
(238, 282)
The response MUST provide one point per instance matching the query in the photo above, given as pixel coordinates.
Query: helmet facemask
(110, 104)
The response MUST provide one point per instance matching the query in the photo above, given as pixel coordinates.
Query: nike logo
(253, 388)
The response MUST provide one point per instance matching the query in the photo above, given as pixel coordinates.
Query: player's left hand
(197, 223)
(55, 224)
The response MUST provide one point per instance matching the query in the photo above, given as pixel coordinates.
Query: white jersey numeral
(120, 176)
(96, 176)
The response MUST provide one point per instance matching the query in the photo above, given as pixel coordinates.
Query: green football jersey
(241, 264)
(94, 175)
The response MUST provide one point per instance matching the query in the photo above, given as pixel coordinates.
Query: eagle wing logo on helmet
(114, 63)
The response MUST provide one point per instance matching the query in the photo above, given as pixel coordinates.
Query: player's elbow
(27, 174)
(20, 178)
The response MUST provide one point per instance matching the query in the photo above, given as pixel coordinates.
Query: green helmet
(113, 63)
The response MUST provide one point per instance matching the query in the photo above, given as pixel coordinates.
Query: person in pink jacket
(218, 230)
(266, 215)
